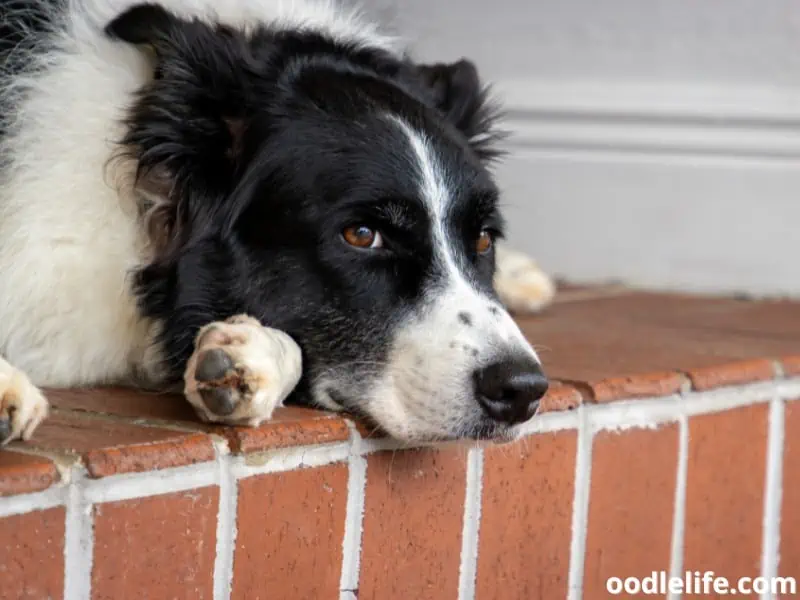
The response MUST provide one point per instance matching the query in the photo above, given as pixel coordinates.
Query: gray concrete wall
(654, 141)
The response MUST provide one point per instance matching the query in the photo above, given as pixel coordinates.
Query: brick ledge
(230, 484)
(645, 383)
(112, 431)
(31, 471)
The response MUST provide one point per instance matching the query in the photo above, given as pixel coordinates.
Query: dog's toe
(22, 405)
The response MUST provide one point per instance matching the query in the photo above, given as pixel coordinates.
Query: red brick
(414, 512)
(636, 386)
(109, 448)
(156, 547)
(790, 514)
(369, 431)
(146, 457)
(23, 473)
(526, 519)
(725, 492)
(32, 555)
(560, 397)
(642, 333)
(290, 533)
(749, 371)
(288, 427)
(124, 402)
(572, 292)
(630, 505)
(791, 365)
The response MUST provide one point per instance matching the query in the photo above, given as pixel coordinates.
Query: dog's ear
(144, 24)
(186, 127)
(456, 90)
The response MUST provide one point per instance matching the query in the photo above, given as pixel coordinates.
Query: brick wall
(122, 495)
(688, 482)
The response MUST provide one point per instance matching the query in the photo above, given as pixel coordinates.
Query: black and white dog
(210, 193)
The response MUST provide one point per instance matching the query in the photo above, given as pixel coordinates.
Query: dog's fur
(167, 167)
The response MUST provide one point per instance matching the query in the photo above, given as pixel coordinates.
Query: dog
(252, 202)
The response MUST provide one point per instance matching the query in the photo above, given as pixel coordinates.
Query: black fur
(265, 147)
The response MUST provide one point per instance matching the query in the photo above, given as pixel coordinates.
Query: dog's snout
(510, 390)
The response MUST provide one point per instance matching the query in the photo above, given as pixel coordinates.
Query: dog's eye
(484, 242)
(361, 236)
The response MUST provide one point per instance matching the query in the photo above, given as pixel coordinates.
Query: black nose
(510, 390)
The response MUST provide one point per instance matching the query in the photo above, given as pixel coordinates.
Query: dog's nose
(510, 390)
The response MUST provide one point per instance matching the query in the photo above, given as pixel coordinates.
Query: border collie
(249, 200)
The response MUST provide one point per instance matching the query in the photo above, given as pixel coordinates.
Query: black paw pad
(221, 401)
(5, 428)
(213, 365)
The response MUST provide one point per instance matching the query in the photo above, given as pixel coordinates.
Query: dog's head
(340, 193)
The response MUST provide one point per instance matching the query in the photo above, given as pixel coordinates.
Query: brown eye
(484, 242)
(361, 236)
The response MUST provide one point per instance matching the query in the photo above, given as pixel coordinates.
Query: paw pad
(212, 365)
(5, 429)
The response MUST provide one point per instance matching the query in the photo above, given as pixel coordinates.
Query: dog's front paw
(22, 405)
(520, 283)
(241, 371)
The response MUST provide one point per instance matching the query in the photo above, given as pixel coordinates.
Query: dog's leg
(521, 285)
(241, 371)
(22, 405)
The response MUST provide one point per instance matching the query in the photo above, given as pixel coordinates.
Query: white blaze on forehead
(434, 190)
(455, 293)
(436, 195)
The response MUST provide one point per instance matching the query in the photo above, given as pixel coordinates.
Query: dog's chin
(490, 431)
(487, 431)
(481, 430)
